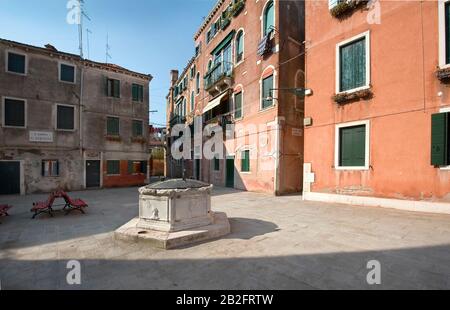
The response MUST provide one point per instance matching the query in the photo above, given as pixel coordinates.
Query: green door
(230, 172)
(197, 169)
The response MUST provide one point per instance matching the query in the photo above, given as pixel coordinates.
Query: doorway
(10, 177)
(92, 173)
(230, 172)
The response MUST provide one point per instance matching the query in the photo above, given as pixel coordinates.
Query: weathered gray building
(69, 123)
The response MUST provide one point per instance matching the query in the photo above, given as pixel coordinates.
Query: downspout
(80, 128)
(277, 157)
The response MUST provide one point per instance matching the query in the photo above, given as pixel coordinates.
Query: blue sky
(148, 36)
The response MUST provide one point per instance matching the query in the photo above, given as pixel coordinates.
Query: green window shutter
(113, 167)
(352, 146)
(14, 113)
(269, 18)
(440, 139)
(353, 65)
(130, 167)
(245, 165)
(447, 33)
(141, 93)
(67, 73)
(267, 86)
(134, 92)
(137, 129)
(144, 167)
(65, 118)
(116, 88)
(16, 63)
(113, 126)
(238, 105)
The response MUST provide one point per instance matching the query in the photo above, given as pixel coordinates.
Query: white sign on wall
(41, 136)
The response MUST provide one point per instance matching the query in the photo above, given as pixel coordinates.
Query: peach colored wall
(405, 88)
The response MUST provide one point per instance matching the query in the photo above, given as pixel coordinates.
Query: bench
(4, 210)
(44, 206)
(72, 204)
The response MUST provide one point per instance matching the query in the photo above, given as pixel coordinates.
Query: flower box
(443, 75)
(113, 138)
(342, 98)
(346, 7)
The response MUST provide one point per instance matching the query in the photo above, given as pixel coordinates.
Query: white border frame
(261, 17)
(442, 47)
(143, 93)
(236, 63)
(241, 150)
(274, 87)
(445, 110)
(22, 173)
(337, 145)
(74, 118)
(365, 35)
(242, 103)
(74, 72)
(25, 111)
(7, 62)
(112, 175)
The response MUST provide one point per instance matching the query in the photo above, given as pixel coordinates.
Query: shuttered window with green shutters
(447, 33)
(137, 92)
(245, 164)
(238, 105)
(440, 139)
(267, 87)
(137, 129)
(137, 167)
(113, 126)
(14, 113)
(67, 73)
(352, 146)
(352, 59)
(65, 118)
(16, 63)
(113, 88)
(113, 167)
(216, 164)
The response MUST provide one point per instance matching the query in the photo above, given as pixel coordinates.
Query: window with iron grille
(113, 167)
(113, 88)
(112, 126)
(50, 168)
(137, 129)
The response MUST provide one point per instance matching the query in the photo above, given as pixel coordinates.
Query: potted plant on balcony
(343, 98)
(237, 7)
(345, 7)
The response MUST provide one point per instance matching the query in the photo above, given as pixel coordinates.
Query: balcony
(219, 78)
(177, 120)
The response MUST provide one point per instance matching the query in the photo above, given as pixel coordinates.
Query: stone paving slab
(275, 242)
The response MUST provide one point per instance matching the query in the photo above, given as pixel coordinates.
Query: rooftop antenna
(80, 25)
(88, 31)
(107, 56)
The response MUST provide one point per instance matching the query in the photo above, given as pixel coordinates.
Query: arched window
(269, 18)
(192, 101)
(239, 46)
(197, 83)
(184, 107)
(209, 65)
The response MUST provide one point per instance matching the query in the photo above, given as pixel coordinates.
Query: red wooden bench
(72, 204)
(4, 210)
(44, 206)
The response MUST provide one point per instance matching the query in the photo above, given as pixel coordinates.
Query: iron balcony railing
(217, 73)
(177, 119)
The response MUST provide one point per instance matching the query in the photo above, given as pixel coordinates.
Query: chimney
(51, 47)
(174, 76)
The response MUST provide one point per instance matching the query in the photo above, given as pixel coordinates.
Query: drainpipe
(277, 152)
(80, 112)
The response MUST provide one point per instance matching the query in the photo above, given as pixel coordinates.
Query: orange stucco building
(377, 126)
(245, 52)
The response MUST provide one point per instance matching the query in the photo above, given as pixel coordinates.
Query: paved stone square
(276, 243)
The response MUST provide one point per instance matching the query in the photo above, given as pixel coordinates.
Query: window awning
(214, 103)
(224, 42)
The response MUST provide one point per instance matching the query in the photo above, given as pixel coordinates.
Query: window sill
(245, 172)
(113, 138)
(113, 175)
(65, 130)
(14, 127)
(16, 73)
(262, 110)
(352, 168)
(67, 82)
(357, 94)
(447, 168)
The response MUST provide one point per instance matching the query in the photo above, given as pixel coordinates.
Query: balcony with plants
(219, 77)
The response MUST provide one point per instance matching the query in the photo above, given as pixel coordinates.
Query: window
(239, 47)
(216, 164)
(197, 83)
(269, 19)
(67, 73)
(440, 139)
(444, 33)
(192, 101)
(245, 161)
(137, 167)
(113, 126)
(113, 88)
(198, 49)
(352, 142)
(238, 105)
(267, 88)
(65, 117)
(137, 130)
(137, 92)
(353, 64)
(113, 167)
(16, 63)
(14, 113)
(50, 168)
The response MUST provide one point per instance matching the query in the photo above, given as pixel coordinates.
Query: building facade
(244, 78)
(69, 123)
(377, 127)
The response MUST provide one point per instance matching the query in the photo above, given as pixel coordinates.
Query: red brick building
(248, 61)
(378, 123)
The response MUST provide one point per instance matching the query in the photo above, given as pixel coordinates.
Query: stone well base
(170, 240)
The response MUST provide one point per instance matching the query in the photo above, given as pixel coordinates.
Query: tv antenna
(88, 31)
(80, 25)
(108, 48)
